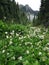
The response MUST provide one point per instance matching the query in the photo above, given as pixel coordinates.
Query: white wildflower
(17, 34)
(7, 53)
(47, 43)
(41, 36)
(44, 33)
(30, 43)
(10, 42)
(13, 31)
(45, 48)
(20, 58)
(32, 27)
(6, 32)
(38, 44)
(10, 36)
(37, 30)
(33, 54)
(27, 51)
(20, 38)
(24, 36)
(28, 36)
(7, 36)
(3, 51)
(20, 44)
(4, 17)
(13, 57)
(40, 53)
(26, 43)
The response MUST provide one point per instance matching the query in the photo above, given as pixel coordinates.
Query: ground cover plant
(23, 45)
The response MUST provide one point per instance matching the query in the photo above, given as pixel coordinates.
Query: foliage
(44, 12)
(23, 45)
(9, 11)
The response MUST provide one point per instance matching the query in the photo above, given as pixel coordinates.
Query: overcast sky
(34, 4)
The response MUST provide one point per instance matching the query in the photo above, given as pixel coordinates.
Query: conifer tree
(44, 12)
(10, 12)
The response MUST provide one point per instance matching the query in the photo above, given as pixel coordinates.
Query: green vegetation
(23, 42)
(23, 45)
(9, 11)
(44, 12)
(43, 15)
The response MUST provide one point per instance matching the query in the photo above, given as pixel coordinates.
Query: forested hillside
(9, 11)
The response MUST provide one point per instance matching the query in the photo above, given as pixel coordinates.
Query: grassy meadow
(23, 45)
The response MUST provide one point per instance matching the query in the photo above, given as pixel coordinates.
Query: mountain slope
(27, 9)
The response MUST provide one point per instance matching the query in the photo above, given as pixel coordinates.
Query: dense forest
(9, 11)
(44, 12)
(43, 15)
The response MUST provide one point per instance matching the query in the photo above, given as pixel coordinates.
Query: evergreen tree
(44, 12)
(9, 11)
